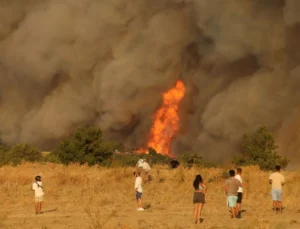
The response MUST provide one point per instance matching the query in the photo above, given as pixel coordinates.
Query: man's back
(277, 180)
(233, 186)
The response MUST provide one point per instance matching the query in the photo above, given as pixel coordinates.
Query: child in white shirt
(138, 190)
(37, 186)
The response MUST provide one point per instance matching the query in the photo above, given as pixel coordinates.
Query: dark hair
(231, 173)
(197, 181)
(38, 178)
(277, 167)
(239, 170)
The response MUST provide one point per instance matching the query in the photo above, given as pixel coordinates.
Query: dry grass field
(94, 197)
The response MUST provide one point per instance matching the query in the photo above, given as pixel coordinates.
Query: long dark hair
(197, 181)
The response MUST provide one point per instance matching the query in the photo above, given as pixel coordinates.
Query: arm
(226, 189)
(270, 181)
(283, 181)
(205, 188)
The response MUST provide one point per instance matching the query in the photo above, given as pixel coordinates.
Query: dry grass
(96, 197)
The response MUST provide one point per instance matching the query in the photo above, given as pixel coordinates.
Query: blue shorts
(276, 194)
(138, 195)
(231, 201)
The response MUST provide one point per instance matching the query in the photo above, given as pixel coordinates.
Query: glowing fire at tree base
(166, 120)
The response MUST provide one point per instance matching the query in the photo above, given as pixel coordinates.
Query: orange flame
(166, 121)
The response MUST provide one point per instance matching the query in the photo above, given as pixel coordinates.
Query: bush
(189, 159)
(260, 149)
(86, 146)
(130, 159)
(22, 152)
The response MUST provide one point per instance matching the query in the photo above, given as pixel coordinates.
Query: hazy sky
(66, 63)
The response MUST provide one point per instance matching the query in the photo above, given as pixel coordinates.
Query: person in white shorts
(37, 186)
(277, 181)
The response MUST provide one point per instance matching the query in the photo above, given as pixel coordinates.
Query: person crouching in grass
(37, 186)
(138, 190)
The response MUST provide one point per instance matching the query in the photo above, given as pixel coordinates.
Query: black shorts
(240, 197)
(199, 197)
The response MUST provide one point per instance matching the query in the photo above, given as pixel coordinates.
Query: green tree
(22, 152)
(259, 149)
(86, 146)
(3, 150)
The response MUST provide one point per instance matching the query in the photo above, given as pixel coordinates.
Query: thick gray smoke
(66, 63)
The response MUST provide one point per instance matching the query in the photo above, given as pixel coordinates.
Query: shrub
(22, 152)
(130, 159)
(259, 149)
(189, 159)
(86, 146)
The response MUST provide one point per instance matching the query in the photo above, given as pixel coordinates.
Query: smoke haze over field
(66, 63)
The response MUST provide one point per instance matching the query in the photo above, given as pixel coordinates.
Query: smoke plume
(67, 63)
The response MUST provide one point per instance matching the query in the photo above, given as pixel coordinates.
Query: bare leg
(200, 206)
(274, 205)
(195, 212)
(139, 203)
(40, 207)
(280, 206)
(36, 207)
(233, 211)
(238, 208)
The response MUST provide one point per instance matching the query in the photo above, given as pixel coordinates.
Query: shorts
(276, 194)
(199, 197)
(39, 199)
(138, 195)
(240, 197)
(231, 201)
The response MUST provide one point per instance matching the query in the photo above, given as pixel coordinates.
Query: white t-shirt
(138, 184)
(140, 163)
(38, 188)
(241, 180)
(146, 166)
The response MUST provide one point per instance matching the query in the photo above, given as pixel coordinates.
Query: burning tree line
(87, 145)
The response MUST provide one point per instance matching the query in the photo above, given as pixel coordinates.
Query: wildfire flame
(166, 120)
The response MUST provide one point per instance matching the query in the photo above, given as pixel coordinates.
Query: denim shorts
(276, 194)
(138, 195)
(231, 201)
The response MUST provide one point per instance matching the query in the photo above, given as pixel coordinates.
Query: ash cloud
(66, 63)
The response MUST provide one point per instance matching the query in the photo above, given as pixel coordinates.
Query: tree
(86, 146)
(22, 152)
(259, 149)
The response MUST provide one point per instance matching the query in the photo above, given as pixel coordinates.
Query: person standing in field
(277, 181)
(138, 190)
(231, 188)
(37, 186)
(239, 192)
(199, 197)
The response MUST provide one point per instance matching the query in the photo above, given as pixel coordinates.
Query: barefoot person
(277, 181)
(231, 188)
(240, 192)
(37, 186)
(138, 190)
(199, 197)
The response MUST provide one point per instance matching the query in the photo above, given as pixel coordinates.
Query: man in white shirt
(277, 181)
(138, 190)
(239, 192)
(37, 186)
